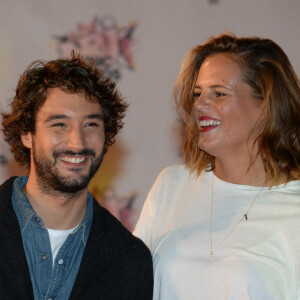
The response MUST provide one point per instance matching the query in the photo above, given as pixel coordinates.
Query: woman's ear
(27, 140)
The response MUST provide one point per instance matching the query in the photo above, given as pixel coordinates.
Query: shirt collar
(25, 212)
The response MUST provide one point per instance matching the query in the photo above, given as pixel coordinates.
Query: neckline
(229, 185)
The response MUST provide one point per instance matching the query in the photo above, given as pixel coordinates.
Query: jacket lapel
(98, 254)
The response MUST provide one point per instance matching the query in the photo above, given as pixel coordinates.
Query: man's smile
(73, 159)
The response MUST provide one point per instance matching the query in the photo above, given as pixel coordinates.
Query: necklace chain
(245, 216)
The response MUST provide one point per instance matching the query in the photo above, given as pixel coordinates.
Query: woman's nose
(202, 102)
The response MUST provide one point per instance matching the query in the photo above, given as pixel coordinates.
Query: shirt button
(45, 256)
(60, 262)
(37, 220)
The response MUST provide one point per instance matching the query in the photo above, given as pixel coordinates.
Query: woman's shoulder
(174, 173)
(172, 179)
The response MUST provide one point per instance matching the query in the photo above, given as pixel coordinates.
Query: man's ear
(27, 140)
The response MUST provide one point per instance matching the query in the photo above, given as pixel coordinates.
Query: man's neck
(58, 210)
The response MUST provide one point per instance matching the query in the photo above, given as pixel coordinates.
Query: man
(56, 242)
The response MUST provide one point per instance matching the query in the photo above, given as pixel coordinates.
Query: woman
(226, 225)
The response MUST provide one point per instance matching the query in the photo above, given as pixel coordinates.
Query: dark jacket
(115, 264)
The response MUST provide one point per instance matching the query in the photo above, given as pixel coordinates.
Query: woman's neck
(237, 171)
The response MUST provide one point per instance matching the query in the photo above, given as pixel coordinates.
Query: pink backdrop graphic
(102, 41)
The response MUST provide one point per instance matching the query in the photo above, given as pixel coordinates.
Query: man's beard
(52, 182)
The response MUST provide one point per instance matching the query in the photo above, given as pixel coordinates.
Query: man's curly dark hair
(73, 76)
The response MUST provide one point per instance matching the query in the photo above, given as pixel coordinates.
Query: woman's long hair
(268, 71)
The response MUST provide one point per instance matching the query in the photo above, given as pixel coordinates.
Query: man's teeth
(73, 160)
(206, 123)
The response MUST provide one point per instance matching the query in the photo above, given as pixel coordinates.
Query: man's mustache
(85, 151)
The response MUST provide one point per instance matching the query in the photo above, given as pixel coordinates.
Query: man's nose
(76, 139)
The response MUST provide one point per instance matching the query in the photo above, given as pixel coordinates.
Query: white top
(57, 238)
(258, 260)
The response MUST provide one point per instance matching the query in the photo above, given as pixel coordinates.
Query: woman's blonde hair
(267, 69)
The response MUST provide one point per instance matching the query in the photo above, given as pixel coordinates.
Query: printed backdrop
(140, 44)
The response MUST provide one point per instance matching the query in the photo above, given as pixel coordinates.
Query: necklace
(244, 216)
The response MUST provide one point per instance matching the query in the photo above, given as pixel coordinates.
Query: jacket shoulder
(117, 232)
(6, 186)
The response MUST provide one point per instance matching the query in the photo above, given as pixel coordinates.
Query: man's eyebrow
(61, 117)
(95, 116)
(56, 117)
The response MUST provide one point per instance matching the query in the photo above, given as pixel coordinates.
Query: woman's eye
(220, 94)
(196, 94)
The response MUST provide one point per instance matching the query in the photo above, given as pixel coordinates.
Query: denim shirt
(49, 281)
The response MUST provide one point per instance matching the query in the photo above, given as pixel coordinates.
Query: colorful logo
(103, 42)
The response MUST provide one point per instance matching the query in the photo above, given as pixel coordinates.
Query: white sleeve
(151, 225)
(144, 226)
